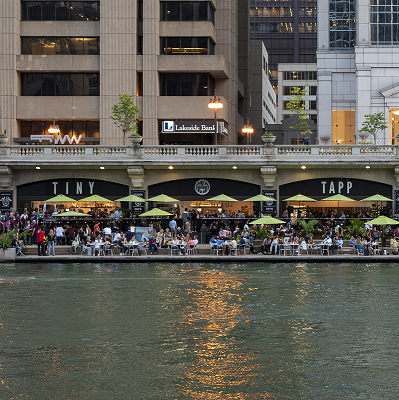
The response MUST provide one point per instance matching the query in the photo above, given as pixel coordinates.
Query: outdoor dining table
(133, 247)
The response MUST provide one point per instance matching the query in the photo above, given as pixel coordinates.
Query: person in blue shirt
(172, 226)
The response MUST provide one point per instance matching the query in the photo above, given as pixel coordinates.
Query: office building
(69, 60)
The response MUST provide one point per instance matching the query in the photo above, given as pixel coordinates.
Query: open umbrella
(377, 198)
(260, 197)
(72, 214)
(163, 198)
(267, 220)
(61, 198)
(221, 197)
(132, 198)
(338, 197)
(300, 198)
(382, 220)
(155, 212)
(96, 198)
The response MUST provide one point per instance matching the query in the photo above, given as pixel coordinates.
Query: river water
(199, 331)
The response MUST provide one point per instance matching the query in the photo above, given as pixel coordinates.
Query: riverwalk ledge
(203, 255)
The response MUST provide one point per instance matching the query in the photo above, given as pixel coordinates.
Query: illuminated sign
(56, 140)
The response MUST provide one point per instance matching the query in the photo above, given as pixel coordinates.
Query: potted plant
(268, 138)
(135, 138)
(7, 252)
(307, 227)
(3, 138)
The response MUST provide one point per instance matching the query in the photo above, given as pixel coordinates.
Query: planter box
(7, 255)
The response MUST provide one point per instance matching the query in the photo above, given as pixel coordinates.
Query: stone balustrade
(252, 155)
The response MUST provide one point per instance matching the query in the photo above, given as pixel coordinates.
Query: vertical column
(324, 118)
(323, 25)
(226, 23)
(151, 15)
(118, 40)
(10, 12)
(363, 96)
(363, 23)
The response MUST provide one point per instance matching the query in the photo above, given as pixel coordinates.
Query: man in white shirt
(107, 231)
(118, 214)
(326, 244)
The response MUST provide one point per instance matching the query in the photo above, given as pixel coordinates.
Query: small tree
(297, 107)
(124, 114)
(374, 124)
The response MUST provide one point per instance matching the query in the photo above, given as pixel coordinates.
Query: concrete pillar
(118, 32)
(324, 91)
(363, 100)
(151, 15)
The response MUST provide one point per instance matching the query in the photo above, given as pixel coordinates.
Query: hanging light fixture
(54, 128)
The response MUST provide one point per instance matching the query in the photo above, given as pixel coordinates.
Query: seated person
(213, 241)
(122, 245)
(167, 236)
(352, 241)
(74, 246)
(107, 243)
(303, 246)
(16, 245)
(153, 245)
(195, 240)
(117, 237)
(160, 237)
(265, 246)
(97, 245)
(142, 245)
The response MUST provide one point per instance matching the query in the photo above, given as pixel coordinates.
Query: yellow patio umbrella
(163, 198)
(96, 198)
(377, 198)
(267, 220)
(72, 214)
(338, 198)
(221, 197)
(61, 198)
(132, 198)
(155, 212)
(260, 197)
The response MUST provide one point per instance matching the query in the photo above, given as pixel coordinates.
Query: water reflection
(220, 364)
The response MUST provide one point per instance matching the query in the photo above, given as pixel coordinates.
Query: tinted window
(187, 11)
(62, 10)
(186, 84)
(35, 11)
(48, 11)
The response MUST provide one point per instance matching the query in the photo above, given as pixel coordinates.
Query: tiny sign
(270, 206)
(6, 200)
(138, 208)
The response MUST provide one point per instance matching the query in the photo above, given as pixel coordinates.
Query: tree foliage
(307, 226)
(374, 124)
(296, 106)
(124, 114)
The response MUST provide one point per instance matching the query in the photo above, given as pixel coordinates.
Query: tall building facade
(69, 60)
(289, 30)
(358, 68)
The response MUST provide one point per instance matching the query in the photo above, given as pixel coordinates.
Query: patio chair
(285, 249)
(325, 249)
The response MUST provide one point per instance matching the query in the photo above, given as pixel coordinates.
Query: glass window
(34, 10)
(91, 85)
(187, 11)
(91, 10)
(91, 46)
(201, 11)
(24, 11)
(172, 11)
(186, 84)
(24, 45)
(48, 11)
(342, 24)
(48, 46)
(77, 11)
(62, 10)
(64, 46)
(77, 46)
(48, 85)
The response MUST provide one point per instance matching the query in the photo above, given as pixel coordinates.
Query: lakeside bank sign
(188, 126)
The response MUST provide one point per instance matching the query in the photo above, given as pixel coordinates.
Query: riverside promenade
(203, 255)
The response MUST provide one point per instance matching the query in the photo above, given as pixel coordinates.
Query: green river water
(199, 331)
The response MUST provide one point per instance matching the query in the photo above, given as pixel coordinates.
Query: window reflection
(60, 10)
(60, 84)
(384, 18)
(187, 45)
(187, 11)
(60, 45)
(186, 85)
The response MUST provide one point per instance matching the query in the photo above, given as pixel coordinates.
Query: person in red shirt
(40, 242)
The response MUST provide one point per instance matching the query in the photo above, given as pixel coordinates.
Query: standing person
(40, 242)
(172, 226)
(50, 242)
(7, 221)
(193, 220)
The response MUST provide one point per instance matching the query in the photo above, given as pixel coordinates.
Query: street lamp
(248, 130)
(54, 128)
(215, 103)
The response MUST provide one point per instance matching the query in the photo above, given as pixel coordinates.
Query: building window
(60, 10)
(187, 46)
(343, 129)
(60, 84)
(88, 129)
(60, 45)
(384, 19)
(300, 75)
(187, 11)
(342, 24)
(186, 84)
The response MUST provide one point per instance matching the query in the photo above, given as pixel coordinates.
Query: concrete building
(358, 68)
(69, 61)
(262, 95)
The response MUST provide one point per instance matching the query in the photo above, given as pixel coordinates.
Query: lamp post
(54, 128)
(215, 103)
(248, 130)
